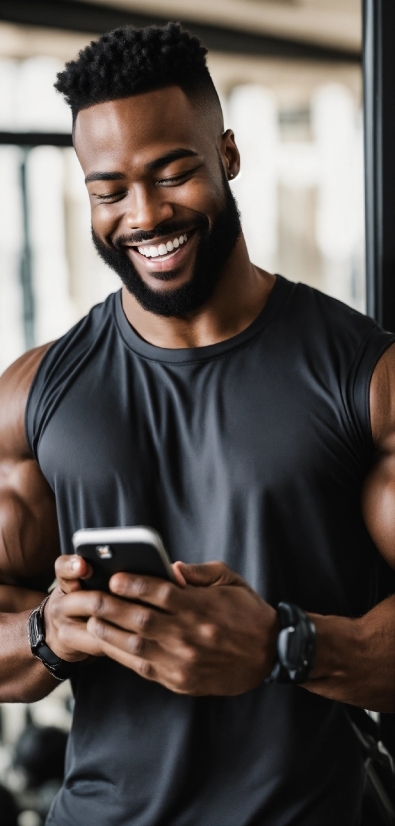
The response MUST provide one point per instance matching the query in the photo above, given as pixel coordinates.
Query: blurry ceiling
(335, 23)
(304, 28)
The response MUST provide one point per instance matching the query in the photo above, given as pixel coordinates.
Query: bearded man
(251, 422)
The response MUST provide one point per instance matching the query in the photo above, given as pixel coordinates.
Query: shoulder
(359, 358)
(15, 384)
(331, 315)
(352, 340)
(69, 350)
(67, 353)
(71, 359)
(382, 402)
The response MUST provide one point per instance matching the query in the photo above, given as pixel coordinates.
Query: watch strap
(295, 645)
(60, 669)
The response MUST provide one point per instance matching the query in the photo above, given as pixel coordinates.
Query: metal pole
(379, 121)
(26, 261)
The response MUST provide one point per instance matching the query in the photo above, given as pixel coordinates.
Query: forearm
(355, 660)
(22, 677)
(14, 599)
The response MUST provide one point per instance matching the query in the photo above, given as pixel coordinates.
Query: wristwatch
(295, 646)
(60, 669)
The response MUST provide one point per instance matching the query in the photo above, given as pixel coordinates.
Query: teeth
(163, 249)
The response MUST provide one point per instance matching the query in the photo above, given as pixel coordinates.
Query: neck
(240, 296)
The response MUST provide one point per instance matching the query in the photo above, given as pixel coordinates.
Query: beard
(214, 248)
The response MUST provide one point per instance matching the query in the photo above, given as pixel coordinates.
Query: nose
(147, 208)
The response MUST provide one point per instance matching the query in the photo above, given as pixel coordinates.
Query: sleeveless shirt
(251, 451)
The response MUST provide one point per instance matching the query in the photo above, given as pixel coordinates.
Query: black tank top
(251, 451)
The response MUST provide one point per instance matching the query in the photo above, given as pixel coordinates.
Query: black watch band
(60, 669)
(295, 646)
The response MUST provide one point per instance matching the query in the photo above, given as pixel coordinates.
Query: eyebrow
(173, 155)
(104, 176)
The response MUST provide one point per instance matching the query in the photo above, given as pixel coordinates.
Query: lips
(162, 249)
(159, 258)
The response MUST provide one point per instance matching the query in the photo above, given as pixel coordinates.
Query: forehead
(138, 128)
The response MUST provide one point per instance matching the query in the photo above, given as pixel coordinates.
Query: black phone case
(128, 557)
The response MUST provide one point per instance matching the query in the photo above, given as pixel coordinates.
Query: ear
(230, 155)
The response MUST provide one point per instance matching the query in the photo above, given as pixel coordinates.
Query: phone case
(135, 550)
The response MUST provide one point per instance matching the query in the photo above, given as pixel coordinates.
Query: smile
(163, 250)
(170, 254)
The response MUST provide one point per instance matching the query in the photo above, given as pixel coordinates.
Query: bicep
(378, 495)
(29, 540)
(378, 506)
(28, 525)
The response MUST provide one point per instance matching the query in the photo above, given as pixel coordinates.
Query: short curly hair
(130, 61)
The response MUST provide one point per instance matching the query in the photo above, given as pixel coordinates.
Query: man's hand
(208, 633)
(65, 620)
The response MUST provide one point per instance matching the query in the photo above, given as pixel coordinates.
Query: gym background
(289, 76)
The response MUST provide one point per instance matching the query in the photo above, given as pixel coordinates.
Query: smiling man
(247, 419)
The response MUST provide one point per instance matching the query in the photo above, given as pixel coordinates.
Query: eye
(110, 196)
(177, 180)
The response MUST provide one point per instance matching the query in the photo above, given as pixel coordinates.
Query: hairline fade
(128, 62)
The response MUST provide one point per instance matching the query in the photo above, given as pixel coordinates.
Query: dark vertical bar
(379, 121)
(26, 261)
(379, 118)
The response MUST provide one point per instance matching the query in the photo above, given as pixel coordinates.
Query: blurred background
(292, 94)
(288, 73)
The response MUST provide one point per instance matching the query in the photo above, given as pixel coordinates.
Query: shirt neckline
(274, 303)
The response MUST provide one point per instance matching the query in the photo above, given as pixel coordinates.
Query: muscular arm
(28, 538)
(356, 658)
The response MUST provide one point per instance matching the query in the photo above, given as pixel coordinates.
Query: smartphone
(134, 550)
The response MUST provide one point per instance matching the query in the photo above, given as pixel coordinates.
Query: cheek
(106, 218)
(199, 196)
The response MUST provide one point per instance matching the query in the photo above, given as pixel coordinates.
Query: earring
(231, 175)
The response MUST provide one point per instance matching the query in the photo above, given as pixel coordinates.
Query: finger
(77, 604)
(130, 642)
(151, 662)
(69, 570)
(179, 576)
(128, 616)
(209, 573)
(67, 636)
(152, 590)
(76, 643)
(142, 619)
(121, 647)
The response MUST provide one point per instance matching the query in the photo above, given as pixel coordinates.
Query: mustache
(172, 227)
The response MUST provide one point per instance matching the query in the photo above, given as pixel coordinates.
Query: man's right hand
(65, 628)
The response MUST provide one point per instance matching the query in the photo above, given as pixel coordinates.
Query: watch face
(35, 631)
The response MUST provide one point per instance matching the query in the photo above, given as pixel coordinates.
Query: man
(249, 420)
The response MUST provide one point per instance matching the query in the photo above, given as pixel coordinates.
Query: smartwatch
(60, 669)
(296, 643)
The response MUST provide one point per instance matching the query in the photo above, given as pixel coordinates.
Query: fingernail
(97, 628)
(75, 564)
(116, 585)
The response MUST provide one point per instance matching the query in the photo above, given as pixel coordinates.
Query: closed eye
(176, 180)
(111, 196)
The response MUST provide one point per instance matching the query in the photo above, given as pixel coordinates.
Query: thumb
(209, 573)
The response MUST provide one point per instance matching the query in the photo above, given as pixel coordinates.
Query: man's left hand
(208, 633)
